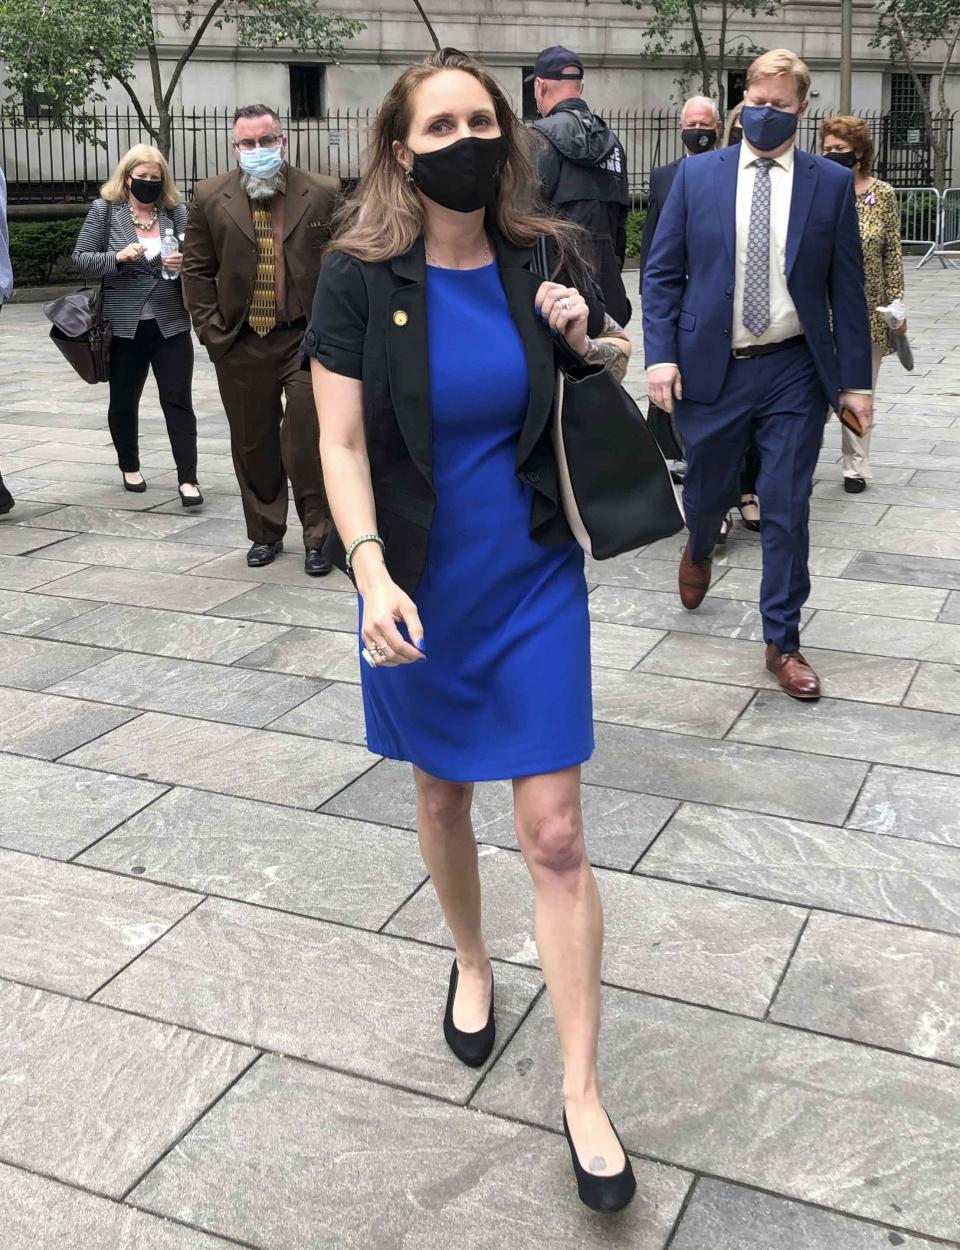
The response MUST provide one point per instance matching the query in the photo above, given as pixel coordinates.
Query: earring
(408, 176)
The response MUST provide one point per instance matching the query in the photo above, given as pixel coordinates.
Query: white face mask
(262, 162)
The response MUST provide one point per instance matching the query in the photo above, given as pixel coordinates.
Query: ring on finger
(565, 304)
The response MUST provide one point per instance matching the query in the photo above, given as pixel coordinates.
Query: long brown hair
(385, 216)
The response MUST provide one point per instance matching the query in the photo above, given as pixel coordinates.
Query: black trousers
(172, 363)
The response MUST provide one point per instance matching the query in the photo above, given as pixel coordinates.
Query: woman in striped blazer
(118, 243)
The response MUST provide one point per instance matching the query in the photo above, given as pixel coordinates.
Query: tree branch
(705, 76)
(942, 76)
(144, 120)
(190, 49)
(428, 24)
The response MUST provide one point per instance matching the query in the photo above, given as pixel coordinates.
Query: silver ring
(565, 304)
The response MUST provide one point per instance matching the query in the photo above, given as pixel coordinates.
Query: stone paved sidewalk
(222, 970)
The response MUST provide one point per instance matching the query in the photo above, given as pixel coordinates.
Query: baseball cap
(553, 61)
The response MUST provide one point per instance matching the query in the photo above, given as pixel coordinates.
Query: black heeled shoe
(750, 523)
(136, 488)
(473, 1049)
(602, 1193)
(190, 501)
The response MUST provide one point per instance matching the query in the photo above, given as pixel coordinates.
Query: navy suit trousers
(779, 402)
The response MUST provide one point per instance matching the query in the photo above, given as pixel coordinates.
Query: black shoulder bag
(79, 330)
(615, 486)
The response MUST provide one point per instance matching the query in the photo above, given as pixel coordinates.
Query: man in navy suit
(755, 320)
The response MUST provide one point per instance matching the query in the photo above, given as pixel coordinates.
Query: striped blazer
(128, 286)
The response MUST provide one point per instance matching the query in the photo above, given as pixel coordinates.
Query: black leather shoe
(263, 553)
(6, 499)
(602, 1193)
(854, 485)
(473, 1049)
(316, 563)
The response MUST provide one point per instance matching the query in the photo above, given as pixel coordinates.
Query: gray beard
(260, 188)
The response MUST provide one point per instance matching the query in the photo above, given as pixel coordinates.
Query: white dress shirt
(784, 322)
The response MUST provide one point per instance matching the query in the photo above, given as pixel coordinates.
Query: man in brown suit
(255, 237)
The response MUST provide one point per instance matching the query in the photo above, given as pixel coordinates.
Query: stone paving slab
(28, 614)
(157, 631)
(348, 999)
(140, 588)
(729, 1217)
(24, 540)
(763, 779)
(150, 555)
(310, 652)
(95, 494)
(71, 931)
(649, 701)
(936, 688)
(32, 664)
(876, 983)
(186, 688)
(421, 1173)
(863, 1131)
(229, 759)
(45, 726)
(883, 735)
(909, 804)
(115, 522)
(842, 595)
(323, 866)
(313, 606)
(50, 809)
(41, 1214)
(844, 675)
(286, 570)
(661, 938)
(883, 635)
(811, 865)
(94, 1097)
(29, 572)
(335, 713)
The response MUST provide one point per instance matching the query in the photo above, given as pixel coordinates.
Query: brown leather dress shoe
(694, 579)
(793, 673)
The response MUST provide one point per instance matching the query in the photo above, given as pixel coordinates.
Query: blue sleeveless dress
(505, 689)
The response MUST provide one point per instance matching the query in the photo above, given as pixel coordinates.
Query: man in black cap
(582, 169)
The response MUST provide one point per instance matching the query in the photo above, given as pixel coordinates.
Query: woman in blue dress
(432, 355)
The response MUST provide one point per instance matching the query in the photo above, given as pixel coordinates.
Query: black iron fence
(45, 164)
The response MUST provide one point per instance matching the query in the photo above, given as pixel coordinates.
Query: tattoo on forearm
(608, 355)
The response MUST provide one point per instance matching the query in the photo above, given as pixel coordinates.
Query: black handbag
(615, 486)
(79, 331)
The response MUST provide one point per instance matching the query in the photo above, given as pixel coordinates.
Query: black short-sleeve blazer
(370, 322)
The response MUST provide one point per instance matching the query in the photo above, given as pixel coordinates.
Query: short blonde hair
(782, 61)
(114, 189)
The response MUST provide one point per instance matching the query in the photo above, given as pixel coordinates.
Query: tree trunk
(702, 55)
(936, 141)
(428, 24)
(163, 131)
(722, 60)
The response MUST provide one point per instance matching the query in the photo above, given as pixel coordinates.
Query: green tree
(71, 49)
(701, 33)
(927, 29)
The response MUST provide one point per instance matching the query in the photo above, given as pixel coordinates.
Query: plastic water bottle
(168, 245)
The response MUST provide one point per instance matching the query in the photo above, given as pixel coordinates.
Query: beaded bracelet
(364, 538)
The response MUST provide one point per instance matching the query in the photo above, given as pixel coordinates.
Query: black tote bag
(79, 330)
(615, 486)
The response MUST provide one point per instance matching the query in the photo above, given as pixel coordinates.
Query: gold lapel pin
(400, 318)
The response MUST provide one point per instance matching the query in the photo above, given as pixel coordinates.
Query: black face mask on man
(462, 176)
(695, 140)
(146, 190)
(847, 159)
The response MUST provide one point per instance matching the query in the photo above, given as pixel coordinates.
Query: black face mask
(698, 140)
(846, 159)
(462, 177)
(146, 190)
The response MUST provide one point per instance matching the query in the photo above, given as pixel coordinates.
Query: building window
(37, 105)
(529, 103)
(907, 123)
(306, 91)
(736, 86)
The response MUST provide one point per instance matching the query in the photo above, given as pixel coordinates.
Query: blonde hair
(782, 61)
(852, 130)
(733, 119)
(114, 189)
(385, 216)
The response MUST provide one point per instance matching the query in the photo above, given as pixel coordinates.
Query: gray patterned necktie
(756, 288)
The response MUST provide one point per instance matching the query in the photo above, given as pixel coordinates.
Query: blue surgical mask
(766, 128)
(262, 162)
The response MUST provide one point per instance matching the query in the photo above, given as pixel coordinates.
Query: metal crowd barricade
(947, 249)
(919, 209)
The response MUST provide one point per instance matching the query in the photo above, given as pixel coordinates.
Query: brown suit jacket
(220, 251)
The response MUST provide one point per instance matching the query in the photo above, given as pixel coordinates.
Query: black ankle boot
(602, 1193)
(473, 1049)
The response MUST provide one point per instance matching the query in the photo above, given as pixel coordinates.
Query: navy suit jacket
(689, 279)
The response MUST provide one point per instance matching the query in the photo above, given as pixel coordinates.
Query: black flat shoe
(190, 501)
(316, 563)
(854, 485)
(749, 501)
(6, 500)
(136, 488)
(602, 1193)
(263, 553)
(473, 1049)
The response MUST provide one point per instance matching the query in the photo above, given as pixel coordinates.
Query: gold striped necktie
(263, 307)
